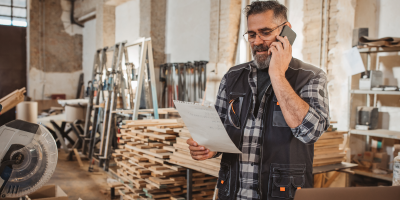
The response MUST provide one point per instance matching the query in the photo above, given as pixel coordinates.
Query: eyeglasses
(264, 35)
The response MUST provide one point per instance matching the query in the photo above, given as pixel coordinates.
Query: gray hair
(257, 7)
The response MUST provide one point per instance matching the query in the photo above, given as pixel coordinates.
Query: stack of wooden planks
(143, 163)
(327, 150)
(11, 100)
(181, 155)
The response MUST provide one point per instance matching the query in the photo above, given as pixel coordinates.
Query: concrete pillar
(152, 24)
(105, 25)
(312, 31)
(157, 32)
(341, 24)
(224, 30)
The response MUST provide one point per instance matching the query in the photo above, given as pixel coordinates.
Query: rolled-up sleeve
(316, 121)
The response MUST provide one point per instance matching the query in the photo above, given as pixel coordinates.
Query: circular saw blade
(38, 165)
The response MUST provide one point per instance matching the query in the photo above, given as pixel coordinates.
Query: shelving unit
(386, 177)
(375, 92)
(370, 133)
(377, 133)
(378, 49)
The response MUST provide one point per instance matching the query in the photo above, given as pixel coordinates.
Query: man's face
(258, 23)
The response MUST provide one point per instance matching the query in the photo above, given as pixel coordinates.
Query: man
(273, 108)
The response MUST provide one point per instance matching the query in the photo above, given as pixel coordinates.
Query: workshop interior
(100, 98)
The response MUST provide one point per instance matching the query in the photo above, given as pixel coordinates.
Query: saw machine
(28, 158)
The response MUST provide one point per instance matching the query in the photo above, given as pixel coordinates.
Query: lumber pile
(11, 100)
(181, 155)
(327, 149)
(144, 167)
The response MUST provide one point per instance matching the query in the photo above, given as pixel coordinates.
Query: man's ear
(289, 24)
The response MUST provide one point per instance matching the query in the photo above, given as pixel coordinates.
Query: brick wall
(332, 33)
(55, 55)
(312, 31)
(340, 23)
(224, 29)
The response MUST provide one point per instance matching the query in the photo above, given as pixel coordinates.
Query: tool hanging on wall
(163, 80)
(183, 81)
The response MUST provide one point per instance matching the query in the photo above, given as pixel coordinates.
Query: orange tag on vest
(222, 181)
(277, 103)
(298, 188)
(282, 189)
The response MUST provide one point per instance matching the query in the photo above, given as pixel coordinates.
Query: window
(13, 12)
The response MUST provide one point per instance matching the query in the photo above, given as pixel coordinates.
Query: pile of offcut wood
(327, 149)
(144, 165)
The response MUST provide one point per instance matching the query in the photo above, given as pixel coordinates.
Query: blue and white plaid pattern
(313, 125)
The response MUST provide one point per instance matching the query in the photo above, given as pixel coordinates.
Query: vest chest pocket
(286, 179)
(234, 109)
(278, 119)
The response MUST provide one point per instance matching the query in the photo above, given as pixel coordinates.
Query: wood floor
(77, 182)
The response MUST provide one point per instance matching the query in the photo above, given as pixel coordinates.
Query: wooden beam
(331, 179)
(78, 158)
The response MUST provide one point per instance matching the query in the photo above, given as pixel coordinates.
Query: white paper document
(354, 62)
(206, 127)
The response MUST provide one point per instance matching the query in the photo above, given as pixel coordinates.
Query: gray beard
(262, 61)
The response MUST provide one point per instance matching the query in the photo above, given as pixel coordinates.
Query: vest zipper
(262, 142)
(241, 144)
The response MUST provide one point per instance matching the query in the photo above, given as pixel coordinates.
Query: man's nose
(258, 40)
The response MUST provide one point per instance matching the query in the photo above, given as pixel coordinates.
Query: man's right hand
(199, 152)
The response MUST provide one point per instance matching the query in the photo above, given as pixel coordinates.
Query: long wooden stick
(11, 100)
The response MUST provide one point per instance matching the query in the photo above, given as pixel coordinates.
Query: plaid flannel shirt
(313, 125)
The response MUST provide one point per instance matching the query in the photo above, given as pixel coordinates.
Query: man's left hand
(281, 56)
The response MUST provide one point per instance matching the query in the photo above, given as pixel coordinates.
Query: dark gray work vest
(286, 162)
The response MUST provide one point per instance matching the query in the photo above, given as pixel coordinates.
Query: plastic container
(396, 170)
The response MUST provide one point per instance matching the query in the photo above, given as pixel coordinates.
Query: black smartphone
(287, 31)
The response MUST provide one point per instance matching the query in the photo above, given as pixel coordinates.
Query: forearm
(294, 109)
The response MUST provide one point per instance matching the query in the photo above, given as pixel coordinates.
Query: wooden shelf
(375, 92)
(378, 49)
(386, 177)
(377, 133)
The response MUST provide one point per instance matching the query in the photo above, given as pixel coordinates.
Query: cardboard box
(381, 160)
(47, 104)
(368, 156)
(49, 192)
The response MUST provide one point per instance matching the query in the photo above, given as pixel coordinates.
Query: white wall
(295, 17)
(43, 84)
(389, 14)
(127, 21)
(187, 30)
(89, 49)
(389, 63)
(127, 26)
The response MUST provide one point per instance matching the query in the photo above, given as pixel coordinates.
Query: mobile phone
(287, 31)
